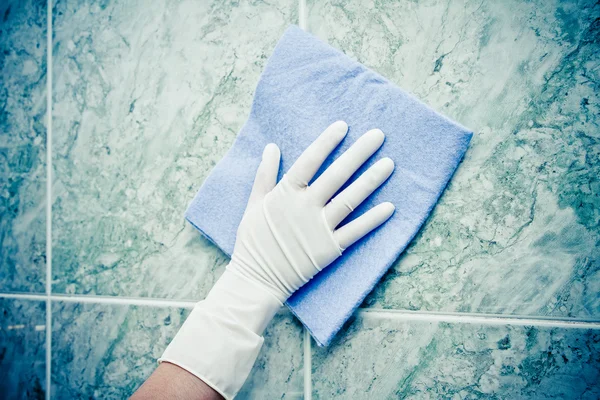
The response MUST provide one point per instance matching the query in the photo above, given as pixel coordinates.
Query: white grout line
(484, 319)
(307, 365)
(102, 300)
(48, 347)
(48, 200)
(302, 22)
(404, 315)
(125, 301)
(40, 297)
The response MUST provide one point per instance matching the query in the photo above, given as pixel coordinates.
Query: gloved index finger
(346, 165)
(309, 162)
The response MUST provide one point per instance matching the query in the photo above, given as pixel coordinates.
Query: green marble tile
(518, 229)
(147, 100)
(22, 146)
(391, 359)
(22, 349)
(107, 351)
(279, 370)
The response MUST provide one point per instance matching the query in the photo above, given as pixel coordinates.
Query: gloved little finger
(348, 234)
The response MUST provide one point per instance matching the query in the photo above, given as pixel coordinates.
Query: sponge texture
(306, 86)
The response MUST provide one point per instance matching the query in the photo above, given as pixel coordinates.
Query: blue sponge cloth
(306, 86)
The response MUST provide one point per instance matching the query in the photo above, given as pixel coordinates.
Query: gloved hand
(287, 235)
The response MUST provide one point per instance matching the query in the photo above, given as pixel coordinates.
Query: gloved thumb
(266, 175)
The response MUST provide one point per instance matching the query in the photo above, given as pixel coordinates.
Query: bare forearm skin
(169, 381)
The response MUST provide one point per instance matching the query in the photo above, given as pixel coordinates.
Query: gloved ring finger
(351, 197)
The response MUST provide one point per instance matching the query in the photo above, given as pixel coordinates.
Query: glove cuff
(221, 338)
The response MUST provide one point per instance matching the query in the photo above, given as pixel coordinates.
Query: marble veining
(22, 145)
(22, 349)
(518, 229)
(147, 100)
(390, 359)
(102, 351)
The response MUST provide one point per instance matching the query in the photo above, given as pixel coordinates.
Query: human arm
(289, 232)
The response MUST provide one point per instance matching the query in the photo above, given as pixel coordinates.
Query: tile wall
(113, 112)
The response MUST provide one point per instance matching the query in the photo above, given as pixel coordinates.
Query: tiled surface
(147, 100)
(391, 359)
(279, 370)
(517, 231)
(107, 351)
(22, 145)
(22, 349)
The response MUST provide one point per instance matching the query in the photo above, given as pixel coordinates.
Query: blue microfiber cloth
(306, 86)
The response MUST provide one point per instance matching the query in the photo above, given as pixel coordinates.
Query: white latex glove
(287, 235)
